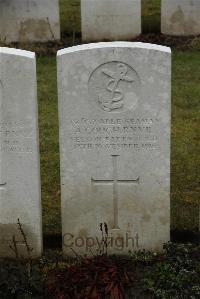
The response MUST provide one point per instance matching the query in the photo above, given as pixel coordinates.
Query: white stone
(29, 20)
(180, 17)
(114, 110)
(110, 19)
(19, 154)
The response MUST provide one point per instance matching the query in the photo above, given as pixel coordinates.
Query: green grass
(185, 151)
(185, 145)
(151, 10)
(49, 146)
(70, 16)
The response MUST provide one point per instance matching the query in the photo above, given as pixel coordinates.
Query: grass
(185, 151)
(151, 10)
(49, 147)
(70, 16)
(185, 146)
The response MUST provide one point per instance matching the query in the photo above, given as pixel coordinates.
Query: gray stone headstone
(180, 17)
(29, 20)
(19, 154)
(114, 109)
(110, 19)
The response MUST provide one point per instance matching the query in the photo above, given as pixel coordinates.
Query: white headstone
(29, 20)
(114, 109)
(19, 154)
(181, 17)
(110, 19)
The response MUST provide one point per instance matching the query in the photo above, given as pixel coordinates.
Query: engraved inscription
(114, 86)
(115, 134)
(16, 137)
(115, 181)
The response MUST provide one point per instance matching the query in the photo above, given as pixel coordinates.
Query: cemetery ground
(159, 276)
(185, 104)
(173, 274)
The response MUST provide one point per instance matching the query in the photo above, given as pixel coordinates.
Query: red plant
(92, 278)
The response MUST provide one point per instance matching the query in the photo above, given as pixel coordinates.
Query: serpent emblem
(114, 86)
(115, 101)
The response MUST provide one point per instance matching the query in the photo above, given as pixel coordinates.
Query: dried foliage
(174, 274)
(97, 277)
(20, 278)
(91, 278)
(51, 48)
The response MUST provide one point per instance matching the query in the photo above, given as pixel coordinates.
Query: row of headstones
(38, 20)
(114, 111)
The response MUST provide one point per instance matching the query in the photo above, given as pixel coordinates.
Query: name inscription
(115, 133)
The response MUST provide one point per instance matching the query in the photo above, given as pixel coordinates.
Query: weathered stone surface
(110, 19)
(19, 155)
(29, 20)
(114, 109)
(181, 17)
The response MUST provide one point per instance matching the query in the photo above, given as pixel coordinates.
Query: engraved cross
(115, 181)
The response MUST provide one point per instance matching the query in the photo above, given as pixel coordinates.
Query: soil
(51, 48)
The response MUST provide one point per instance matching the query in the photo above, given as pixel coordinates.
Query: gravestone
(114, 110)
(180, 17)
(19, 154)
(29, 20)
(110, 19)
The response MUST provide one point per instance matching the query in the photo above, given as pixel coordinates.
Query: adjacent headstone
(114, 109)
(181, 17)
(29, 20)
(19, 154)
(110, 19)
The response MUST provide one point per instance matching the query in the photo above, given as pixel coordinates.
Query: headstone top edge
(115, 44)
(17, 52)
